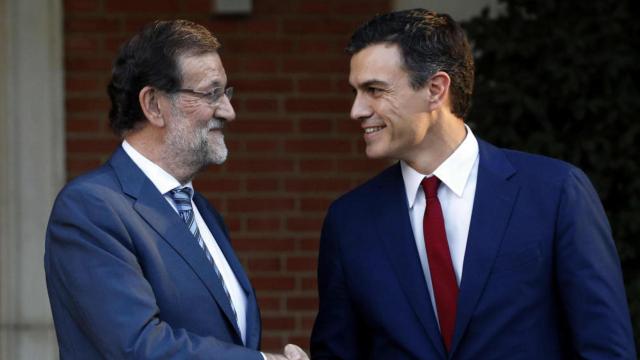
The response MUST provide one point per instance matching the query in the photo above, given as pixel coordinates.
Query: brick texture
(293, 148)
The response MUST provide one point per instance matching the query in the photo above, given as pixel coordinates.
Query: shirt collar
(161, 179)
(453, 172)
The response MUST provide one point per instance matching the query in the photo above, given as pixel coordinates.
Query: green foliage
(560, 78)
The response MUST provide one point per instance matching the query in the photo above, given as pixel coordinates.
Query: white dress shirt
(164, 182)
(458, 175)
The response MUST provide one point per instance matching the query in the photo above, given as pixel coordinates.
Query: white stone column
(31, 169)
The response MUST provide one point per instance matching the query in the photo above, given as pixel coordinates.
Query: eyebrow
(372, 82)
(214, 84)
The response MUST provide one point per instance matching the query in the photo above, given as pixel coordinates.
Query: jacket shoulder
(542, 168)
(530, 167)
(362, 195)
(89, 182)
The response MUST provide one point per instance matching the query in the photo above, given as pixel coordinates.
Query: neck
(153, 148)
(442, 138)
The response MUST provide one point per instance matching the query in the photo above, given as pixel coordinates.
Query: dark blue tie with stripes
(182, 199)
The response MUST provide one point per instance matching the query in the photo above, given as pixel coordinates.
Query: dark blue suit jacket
(127, 280)
(541, 277)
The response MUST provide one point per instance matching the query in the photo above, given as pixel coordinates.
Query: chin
(218, 161)
(373, 154)
(379, 149)
(218, 156)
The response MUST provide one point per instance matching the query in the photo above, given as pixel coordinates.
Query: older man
(138, 264)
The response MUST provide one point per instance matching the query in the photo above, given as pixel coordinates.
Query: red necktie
(443, 279)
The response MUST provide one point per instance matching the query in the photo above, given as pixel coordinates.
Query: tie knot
(182, 197)
(430, 186)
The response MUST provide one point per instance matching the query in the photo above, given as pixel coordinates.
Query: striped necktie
(182, 199)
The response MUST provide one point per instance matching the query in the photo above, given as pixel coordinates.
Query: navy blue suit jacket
(127, 280)
(541, 276)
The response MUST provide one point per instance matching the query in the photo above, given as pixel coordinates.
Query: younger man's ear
(438, 89)
(149, 98)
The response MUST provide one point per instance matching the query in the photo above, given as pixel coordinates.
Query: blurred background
(556, 77)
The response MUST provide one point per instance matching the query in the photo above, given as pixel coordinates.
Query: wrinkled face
(394, 117)
(194, 131)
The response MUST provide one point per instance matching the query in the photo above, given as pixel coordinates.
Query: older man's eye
(216, 94)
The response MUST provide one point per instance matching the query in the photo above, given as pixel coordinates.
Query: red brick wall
(292, 147)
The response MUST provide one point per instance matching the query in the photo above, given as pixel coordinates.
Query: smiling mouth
(374, 129)
(216, 124)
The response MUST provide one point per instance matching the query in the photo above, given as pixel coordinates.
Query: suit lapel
(223, 241)
(216, 228)
(253, 322)
(394, 228)
(152, 207)
(493, 203)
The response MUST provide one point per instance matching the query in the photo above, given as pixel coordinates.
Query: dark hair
(429, 42)
(150, 58)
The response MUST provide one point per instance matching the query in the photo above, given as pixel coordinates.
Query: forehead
(202, 70)
(381, 62)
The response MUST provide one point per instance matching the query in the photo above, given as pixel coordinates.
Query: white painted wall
(31, 169)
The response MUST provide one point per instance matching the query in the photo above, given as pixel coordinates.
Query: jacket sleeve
(589, 275)
(99, 291)
(336, 330)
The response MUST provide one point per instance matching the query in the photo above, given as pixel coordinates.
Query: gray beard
(191, 152)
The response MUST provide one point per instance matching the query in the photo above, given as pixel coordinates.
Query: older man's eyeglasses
(212, 97)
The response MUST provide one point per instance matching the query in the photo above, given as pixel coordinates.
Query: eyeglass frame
(209, 96)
